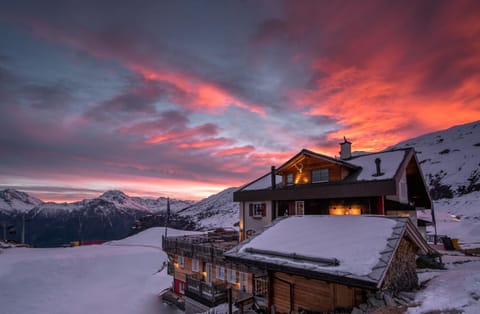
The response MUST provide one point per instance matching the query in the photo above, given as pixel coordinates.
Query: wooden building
(201, 275)
(383, 183)
(328, 263)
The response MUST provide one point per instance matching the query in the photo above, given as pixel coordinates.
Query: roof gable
(305, 152)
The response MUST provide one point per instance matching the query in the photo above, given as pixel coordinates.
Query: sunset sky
(186, 98)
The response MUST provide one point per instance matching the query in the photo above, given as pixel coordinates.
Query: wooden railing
(208, 294)
(203, 247)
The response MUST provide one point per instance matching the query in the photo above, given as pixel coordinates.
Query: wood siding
(311, 294)
(335, 172)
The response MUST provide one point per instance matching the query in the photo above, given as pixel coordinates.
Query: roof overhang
(341, 279)
(320, 191)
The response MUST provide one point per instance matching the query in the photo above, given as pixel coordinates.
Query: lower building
(203, 279)
(331, 263)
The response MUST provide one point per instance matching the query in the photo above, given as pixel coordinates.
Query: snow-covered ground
(459, 217)
(118, 277)
(456, 288)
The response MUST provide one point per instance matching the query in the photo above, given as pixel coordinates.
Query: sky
(186, 98)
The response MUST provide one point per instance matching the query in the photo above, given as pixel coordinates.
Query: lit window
(220, 272)
(319, 175)
(290, 179)
(231, 275)
(181, 261)
(195, 265)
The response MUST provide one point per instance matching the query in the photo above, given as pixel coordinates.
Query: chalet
(383, 183)
(201, 275)
(329, 263)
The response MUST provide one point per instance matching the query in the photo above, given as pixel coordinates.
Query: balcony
(208, 294)
(206, 247)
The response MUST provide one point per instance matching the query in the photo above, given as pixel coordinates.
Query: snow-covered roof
(358, 247)
(390, 162)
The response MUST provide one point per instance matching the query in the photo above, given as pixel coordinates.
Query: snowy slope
(91, 279)
(218, 210)
(121, 200)
(13, 201)
(450, 159)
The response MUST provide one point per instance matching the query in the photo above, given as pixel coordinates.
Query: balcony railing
(208, 294)
(207, 247)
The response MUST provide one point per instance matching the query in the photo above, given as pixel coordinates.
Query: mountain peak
(13, 200)
(115, 195)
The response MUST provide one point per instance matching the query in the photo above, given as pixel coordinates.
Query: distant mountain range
(450, 161)
(108, 217)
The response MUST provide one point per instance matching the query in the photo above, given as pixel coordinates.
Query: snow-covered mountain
(108, 217)
(217, 210)
(123, 201)
(14, 202)
(450, 159)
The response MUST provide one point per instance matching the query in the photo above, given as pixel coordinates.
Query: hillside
(217, 210)
(449, 159)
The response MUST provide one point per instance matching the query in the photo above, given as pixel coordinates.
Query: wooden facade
(292, 293)
(302, 168)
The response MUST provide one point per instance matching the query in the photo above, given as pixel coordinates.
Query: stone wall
(402, 275)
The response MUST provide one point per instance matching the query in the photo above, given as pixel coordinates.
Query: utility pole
(168, 216)
(23, 228)
(4, 224)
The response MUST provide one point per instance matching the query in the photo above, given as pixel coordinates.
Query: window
(243, 281)
(208, 271)
(195, 265)
(231, 275)
(258, 209)
(181, 261)
(181, 287)
(319, 175)
(220, 272)
(290, 179)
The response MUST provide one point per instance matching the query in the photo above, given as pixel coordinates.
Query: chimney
(273, 177)
(345, 149)
(378, 162)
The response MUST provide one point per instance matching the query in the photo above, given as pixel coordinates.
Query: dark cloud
(47, 97)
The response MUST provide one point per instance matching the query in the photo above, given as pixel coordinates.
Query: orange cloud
(202, 95)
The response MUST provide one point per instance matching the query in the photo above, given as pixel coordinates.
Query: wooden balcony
(206, 247)
(208, 294)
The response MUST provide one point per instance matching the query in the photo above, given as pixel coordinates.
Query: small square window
(319, 175)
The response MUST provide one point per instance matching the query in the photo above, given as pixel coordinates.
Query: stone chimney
(274, 177)
(345, 149)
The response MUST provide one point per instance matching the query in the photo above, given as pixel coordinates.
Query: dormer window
(319, 175)
(289, 178)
